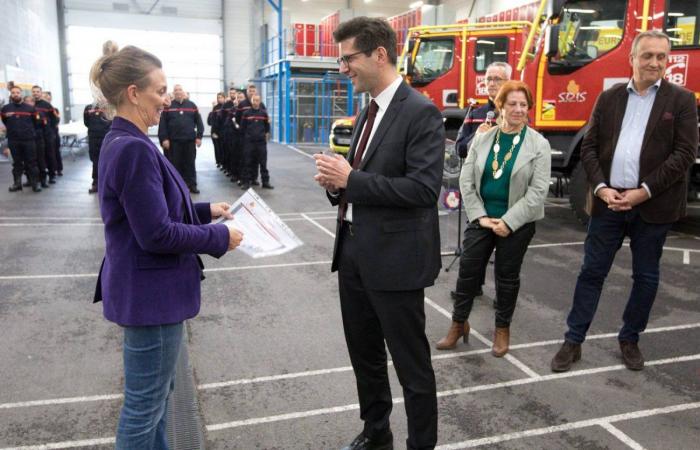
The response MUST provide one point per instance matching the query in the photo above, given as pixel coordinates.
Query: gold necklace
(497, 172)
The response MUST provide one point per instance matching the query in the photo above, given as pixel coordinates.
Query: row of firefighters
(240, 129)
(32, 137)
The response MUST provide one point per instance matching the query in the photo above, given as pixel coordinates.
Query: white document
(264, 233)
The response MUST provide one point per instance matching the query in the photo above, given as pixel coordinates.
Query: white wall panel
(29, 49)
(241, 19)
(194, 9)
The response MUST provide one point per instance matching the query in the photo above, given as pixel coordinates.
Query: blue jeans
(605, 235)
(150, 354)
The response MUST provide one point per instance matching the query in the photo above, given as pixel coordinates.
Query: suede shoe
(383, 441)
(631, 355)
(567, 355)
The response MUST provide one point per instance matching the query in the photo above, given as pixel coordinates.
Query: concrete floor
(268, 353)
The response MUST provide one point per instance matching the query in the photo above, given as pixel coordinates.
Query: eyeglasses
(345, 59)
(494, 79)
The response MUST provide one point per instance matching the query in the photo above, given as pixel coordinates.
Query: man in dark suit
(641, 142)
(387, 239)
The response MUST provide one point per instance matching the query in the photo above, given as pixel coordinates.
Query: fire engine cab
(569, 54)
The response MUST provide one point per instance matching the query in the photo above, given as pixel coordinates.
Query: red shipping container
(516, 14)
(509, 15)
(502, 16)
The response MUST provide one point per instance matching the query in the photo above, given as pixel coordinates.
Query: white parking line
(61, 401)
(510, 358)
(299, 151)
(309, 373)
(624, 438)
(686, 257)
(215, 269)
(66, 444)
(318, 225)
(571, 426)
(448, 393)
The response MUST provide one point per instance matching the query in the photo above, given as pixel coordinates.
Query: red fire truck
(568, 55)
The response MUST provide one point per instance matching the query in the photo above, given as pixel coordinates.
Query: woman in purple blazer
(150, 278)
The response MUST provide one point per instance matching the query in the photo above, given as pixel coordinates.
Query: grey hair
(502, 65)
(649, 34)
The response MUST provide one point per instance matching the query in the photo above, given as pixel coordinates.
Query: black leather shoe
(93, 189)
(631, 355)
(255, 183)
(385, 441)
(267, 186)
(567, 355)
(245, 186)
(194, 190)
(52, 180)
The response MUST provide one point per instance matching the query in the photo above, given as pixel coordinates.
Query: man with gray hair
(497, 73)
(180, 132)
(642, 138)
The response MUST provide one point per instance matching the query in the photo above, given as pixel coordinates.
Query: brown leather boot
(501, 341)
(456, 331)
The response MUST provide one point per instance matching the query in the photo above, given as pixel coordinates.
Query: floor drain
(183, 425)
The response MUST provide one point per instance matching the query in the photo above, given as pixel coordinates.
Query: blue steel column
(281, 75)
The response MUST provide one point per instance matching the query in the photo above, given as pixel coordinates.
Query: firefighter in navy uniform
(213, 122)
(39, 144)
(57, 137)
(497, 73)
(255, 125)
(20, 121)
(180, 132)
(243, 106)
(237, 146)
(47, 114)
(475, 118)
(225, 125)
(97, 125)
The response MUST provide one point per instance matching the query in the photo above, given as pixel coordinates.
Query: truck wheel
(451, 167)
(578, 191)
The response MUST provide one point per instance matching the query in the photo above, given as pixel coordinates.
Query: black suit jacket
(668, 149)
(394, 195)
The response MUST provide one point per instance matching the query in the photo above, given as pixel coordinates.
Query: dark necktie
(369, 124)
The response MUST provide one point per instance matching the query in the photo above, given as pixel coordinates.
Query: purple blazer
(153, 233)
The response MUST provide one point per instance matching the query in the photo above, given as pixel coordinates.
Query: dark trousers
(94, 144)
(255, 157)
(50, 152)
(41, 158)
(183, 154)
(369, 319)
(23, 159)
(478, 245)
(605, 235)
(57, 149)
(218, 151)
(227, 151)
(236, 156)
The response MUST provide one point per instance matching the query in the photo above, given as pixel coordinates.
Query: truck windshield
(587, 30)
(434, 58)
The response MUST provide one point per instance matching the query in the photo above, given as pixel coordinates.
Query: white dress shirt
(383, 100)
(624, 172)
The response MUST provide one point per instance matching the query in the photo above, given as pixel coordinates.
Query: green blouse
(494, 192)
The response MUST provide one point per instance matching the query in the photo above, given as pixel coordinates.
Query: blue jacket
(153, 233)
